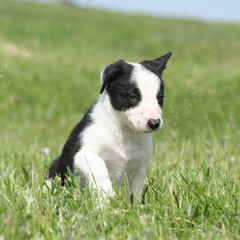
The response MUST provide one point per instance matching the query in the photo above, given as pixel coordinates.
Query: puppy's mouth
(150, 130)
(144, 129)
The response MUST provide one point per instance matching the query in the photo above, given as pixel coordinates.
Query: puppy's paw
(104, 189)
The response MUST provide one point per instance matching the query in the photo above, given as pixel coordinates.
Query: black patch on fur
(157, 65)
(123, 93)
(160, 95)
(110, 72)
(52, 172)
(65, 161)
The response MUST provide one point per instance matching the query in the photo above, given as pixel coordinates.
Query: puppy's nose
(154, 123)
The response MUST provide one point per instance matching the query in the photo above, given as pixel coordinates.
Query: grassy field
(51, 57)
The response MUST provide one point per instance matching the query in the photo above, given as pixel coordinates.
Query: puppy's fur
(113, 140)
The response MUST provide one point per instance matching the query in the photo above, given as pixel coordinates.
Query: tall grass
(51, 57)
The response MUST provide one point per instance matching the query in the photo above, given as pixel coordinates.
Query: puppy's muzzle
(154, 123)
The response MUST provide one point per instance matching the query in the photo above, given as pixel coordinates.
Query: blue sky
(207, 10)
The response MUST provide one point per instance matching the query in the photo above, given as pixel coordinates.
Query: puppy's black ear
(162, 61)
(110, 72)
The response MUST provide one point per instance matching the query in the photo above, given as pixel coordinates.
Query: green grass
(51, 57)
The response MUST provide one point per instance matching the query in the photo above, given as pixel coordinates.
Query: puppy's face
(136, 90)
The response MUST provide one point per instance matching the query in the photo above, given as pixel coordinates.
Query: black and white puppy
(113, 140)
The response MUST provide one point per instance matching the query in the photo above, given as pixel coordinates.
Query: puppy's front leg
(94, 169)
(135, 179)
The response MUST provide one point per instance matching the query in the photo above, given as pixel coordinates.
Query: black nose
(154, 123)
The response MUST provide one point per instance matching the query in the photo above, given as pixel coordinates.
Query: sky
(206, 10)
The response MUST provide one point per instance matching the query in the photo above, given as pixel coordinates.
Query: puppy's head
(136, 90)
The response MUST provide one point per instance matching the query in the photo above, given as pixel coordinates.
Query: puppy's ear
(162, 61)
(110, 72)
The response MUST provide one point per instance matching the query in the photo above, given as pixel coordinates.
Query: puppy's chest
(118, 149)
(115, 146)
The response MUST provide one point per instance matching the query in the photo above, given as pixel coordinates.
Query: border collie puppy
(113, 140)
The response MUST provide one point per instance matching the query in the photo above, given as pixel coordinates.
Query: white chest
(117, 148)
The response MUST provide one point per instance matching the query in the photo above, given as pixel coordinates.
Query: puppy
(113, 140)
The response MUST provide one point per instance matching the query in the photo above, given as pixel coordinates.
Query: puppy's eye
(160, 99)
(133, 98)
